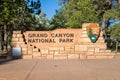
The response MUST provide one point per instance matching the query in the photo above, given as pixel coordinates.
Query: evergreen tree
(76, 12)
(17, 15)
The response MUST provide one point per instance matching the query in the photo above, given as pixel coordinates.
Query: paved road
(61, 70)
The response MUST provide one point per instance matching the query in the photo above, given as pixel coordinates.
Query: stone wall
(80, 48)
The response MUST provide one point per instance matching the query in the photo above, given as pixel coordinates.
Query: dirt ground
(61, 69)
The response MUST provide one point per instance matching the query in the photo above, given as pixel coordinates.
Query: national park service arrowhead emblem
(93, 32)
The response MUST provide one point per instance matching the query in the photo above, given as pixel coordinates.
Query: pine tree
(17, 15)
(77, 12)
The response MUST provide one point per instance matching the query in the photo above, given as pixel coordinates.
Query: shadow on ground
(7, 59)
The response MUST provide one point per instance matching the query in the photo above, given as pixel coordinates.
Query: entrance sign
(58, 37)
(84, 43)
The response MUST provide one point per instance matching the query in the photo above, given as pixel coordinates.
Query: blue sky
(49, 7)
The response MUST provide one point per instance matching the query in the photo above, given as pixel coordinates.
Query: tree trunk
(0, 38)
(104, 28)
(5, 38)
(0, 42)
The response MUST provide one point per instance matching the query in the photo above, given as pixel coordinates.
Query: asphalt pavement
(19, 69)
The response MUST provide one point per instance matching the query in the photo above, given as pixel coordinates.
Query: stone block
(23, 45)
(50, 56)
(84, 32)
(85, 48)
(101, 46)
(109, 51)
(16, 32)
(91, 57)
(91, 45)
(102, 50)
(79, 47)
(24, 49)
(36, 54)
(97, 50)
(27, 57)
(41, 57)
(101, 57)
(85, 40)
(14, 35)
(14, 39)
(101, 37)
(21, 39)
(97, 54)
(13, 44)
(44, 51)
(110, 57)
(54, 48)
(69, 51)
(106, 54)
(100, 41)
(60, 57)
(69, 48)
(16, 45)
(84, 29)
(24, 53)
(20, 43)
(30, 52)
(51, 52)
(30, 48)
(101, 34)
(77, 52)
(62, 48)
(19, 35)
(91, 49)
(83, 56)
(84, 25)
(35, 49)
(90, 53)
(56, 52)
(62, 52)
(84, 36)
(44, 55)
(73, 56)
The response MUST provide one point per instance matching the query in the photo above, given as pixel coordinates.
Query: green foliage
(44, 21)
(6, 12)
(17, 15)
(74, 13)
(114, 31)
(101, 6)
(34, 6)
(114, 34)
(58, 21)
(113, 13)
